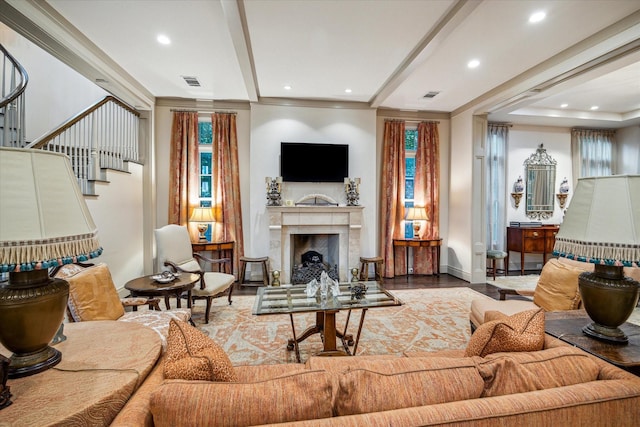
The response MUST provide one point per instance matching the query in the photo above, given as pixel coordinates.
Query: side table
(220, 247)
(567, 327)
(420, 243)
(147, 287)
(103, 363)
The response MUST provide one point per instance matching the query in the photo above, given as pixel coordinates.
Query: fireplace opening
(312, 254)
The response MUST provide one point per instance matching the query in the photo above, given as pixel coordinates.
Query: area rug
(428, 320)
(527, 282)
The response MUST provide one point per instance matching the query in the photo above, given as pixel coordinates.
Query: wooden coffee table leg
(330, 336)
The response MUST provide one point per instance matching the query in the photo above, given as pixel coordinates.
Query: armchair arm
(223, 263)
(135, 302)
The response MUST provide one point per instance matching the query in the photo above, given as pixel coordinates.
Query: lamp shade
(416, 213)
(602, 224)
(44, 219)
(202, 215)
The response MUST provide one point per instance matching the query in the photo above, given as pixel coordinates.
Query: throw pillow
(523, 372)
(523, 331)
(557, 288)
(192, 355)
(93, 296)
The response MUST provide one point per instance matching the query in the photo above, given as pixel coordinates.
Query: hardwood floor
(409, 282)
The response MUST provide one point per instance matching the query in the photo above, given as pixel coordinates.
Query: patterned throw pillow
(523, 331)
(191, 355)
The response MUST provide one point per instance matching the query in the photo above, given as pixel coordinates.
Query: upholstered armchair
(173, 251)
(93, 296)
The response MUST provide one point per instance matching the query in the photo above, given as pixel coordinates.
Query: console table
(420, 243)
(531, 240)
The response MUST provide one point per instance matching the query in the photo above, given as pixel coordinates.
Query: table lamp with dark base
(602, 226)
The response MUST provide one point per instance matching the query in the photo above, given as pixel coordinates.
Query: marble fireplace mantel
(287, 221)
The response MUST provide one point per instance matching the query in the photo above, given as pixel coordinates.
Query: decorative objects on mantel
(274, 191)
(44, 222)
(602, 226)
(316, 199)
(518, 189)
(352, 190)
(203, 216)
(563, 192)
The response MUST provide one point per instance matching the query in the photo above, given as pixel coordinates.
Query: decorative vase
(518, 186)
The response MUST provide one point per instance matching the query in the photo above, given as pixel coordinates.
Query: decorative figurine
(274, 191)
(354, 275)
(275, 275)
(352, 190)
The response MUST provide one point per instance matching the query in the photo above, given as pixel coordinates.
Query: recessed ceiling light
(564, 105)
(537, 17)
(347, 90)
(287, 87)
(162, 39)
(595, 107)
(473, 63)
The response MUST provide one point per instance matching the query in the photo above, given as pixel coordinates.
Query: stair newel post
(94, 162)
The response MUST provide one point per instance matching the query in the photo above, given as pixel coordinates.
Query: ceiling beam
(458, 12)
(236, 18)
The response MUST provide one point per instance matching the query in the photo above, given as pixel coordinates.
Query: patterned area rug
(527, 282)
(428, 320)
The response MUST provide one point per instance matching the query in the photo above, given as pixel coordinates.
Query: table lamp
(44, 222)
(416, 214)
(203, 216)
(602, 226)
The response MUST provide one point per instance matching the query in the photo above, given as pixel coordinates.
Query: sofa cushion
(93, 296)
(295, 397)
(520, 332)
(433, 380)
(557, 287)
(509, 373)
(191, 355)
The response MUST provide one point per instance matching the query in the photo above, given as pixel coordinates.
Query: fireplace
(339, 225)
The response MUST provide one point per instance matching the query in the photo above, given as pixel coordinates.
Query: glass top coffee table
(293, 299)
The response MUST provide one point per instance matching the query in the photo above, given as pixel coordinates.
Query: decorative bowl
(165, 277)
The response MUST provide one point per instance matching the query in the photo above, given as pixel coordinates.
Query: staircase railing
(105, 135)
(12, 101)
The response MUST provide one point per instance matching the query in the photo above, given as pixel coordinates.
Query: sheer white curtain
(497, 139)
(593, 152)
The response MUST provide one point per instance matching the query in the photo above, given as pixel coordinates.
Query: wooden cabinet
(531, 240)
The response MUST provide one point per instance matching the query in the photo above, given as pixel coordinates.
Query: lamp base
(605, 333)
(31, 310)
(416, 230)
(23, 365)
(609, 298)
(202, 228)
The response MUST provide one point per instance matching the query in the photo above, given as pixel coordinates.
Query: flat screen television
(307, 162)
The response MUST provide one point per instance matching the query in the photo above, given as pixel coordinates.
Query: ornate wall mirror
(540, 171)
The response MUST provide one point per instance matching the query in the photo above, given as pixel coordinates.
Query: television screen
(305, 162)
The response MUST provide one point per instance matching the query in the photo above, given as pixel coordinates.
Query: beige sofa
(559, 385)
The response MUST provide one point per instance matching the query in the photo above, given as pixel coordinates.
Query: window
(205, 137)
(596, 151)
(497, 138)
(410, 146)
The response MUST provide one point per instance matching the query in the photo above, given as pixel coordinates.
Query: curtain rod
(179, 110)
(509, 125)
(595, 130)
(412, 121)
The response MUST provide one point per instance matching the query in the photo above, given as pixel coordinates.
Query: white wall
(523, 142)
(55, 92)
(118, 214)
(271, 125)
(628, 150)
(460, 197)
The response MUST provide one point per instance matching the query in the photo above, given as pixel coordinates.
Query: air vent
(431, 94)
(191, 81)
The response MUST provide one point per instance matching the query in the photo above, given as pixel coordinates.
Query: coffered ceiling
(387, 53)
